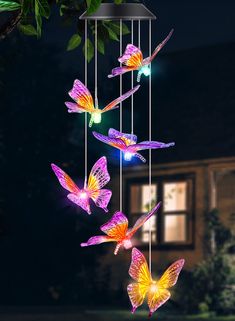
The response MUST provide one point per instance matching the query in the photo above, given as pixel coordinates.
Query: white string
(132, 82)
(96, 66)
(150, 154)
(85, 125)
(120, 119)
(139, 34)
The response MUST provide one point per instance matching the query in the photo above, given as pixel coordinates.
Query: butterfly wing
(115, 102)
(120, 71)
(132, 57)
(156, 299)
(116, 227)
(170, 276)
(148, 145)
(139, 272)
(143, 219)
(83, 203)
(115, 142)
(161, 295)
(99, 175)
(157, 49)
(65, 180)
(94, 240)
(81, 95)
(128, 139)
(102, 198)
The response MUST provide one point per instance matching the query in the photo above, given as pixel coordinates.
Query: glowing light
(153, 287)
(96, 118)
(146, 70)
(83, 195)
(127, 244)
(128, 156)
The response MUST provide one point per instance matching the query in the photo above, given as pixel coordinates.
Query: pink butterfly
(127, 143)
(84, 102)
(117, 230)
(98, 178)
(133, 60)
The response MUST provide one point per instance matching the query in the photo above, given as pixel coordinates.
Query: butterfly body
(132, 59)
(84, 102)
(116, 230)
(127, 144)
(156, 291)
(94, 191)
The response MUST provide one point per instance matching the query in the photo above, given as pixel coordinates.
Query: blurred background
(44, 273)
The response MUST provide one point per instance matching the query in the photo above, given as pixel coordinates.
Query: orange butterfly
(157, 291)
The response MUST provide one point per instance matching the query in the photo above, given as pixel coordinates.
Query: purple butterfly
(127, 143)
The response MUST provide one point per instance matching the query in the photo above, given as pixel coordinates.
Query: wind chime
(116, 229)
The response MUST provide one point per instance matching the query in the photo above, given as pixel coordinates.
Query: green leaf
(38, 19)
(92, 5)
(74, 42)
(28, 30)
(100, 45)
(118, 1)
(112, 34)
(90, 49)
(25, 7)
(44, 8)
(9, 6)
(62, 7)
(116, 28)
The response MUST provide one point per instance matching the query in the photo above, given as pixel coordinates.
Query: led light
(127, 244)
(145, 70)
(128, 156)
(153, 287)
(83, 195)
(96, 118)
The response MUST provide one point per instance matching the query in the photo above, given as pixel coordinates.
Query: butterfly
(117, 230)
(132, 59)
(84, 102)
(98, 178)
(156, 291)
(127, 143)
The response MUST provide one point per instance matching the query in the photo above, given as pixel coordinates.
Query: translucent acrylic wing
(120, 71)
(65, 180)
(83, 203)
(129, 139)
(139, 270)
(74, 108)
(94, 240)
(158, 48)
(102, 198)
(116, 227)
(137, 293)
(170, 276)
(99, 175)
(143, 219)
(82, 96)
(149, 145)
(115, 142)
(156, 299)
(115, 102)
(132, 56)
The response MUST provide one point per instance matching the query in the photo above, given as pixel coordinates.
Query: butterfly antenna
(117, 248)
(139, 76)
(91, 121)
(140, 157)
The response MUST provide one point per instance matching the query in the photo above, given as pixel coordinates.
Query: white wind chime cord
(120, 125)
(85, 125)
(150, 154)
(96, 66)
(132, 82)
(139, 34)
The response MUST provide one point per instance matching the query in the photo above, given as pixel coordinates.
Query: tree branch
(10, 24)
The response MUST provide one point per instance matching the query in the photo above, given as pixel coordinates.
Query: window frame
(159, 180)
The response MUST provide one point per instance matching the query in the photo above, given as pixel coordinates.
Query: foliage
(33, 12)
(209, 286)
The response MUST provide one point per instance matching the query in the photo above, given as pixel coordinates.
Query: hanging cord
(85, 125)
(120, 119)
(132, 82)
(96, 66)
(139, 34)
(150, 153)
